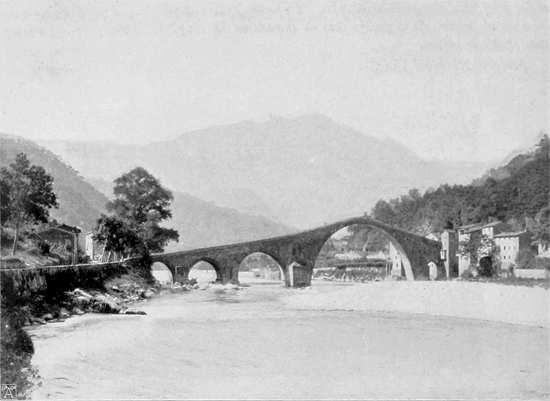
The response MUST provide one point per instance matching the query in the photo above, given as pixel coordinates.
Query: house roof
(469, 228)
(510, 234)
(492, 224)
(63, 228)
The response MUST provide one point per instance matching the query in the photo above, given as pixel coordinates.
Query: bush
(469, 273)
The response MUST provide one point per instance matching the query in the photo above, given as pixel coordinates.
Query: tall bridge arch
(298, 252)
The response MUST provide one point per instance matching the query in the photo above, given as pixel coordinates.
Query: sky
(455, 80)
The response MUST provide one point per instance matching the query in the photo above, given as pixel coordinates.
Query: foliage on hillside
(520, 198)
(80, 204)
(27, 195)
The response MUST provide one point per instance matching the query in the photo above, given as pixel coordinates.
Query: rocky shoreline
(119, 296)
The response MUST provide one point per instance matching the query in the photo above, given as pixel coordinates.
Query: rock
(81, 293)
(105, 304)
(115, 288)
(47, 316)
(64, 313)
(37, 320)
(134, 312)
(78, 311)
(82, 301)
(147, 294)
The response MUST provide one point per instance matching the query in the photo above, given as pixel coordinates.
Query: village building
(474, 232)
(449, 252)
(509, 244)
(62, 238)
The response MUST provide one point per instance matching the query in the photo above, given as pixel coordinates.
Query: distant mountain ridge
(302, 171)
(199, 223)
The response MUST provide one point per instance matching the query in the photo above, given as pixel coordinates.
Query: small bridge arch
(270, 258)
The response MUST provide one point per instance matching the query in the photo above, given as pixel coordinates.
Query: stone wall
(52, 280)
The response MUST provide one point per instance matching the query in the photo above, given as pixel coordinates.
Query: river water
(249, 343)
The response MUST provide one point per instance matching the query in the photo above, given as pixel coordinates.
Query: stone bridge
(296, 253)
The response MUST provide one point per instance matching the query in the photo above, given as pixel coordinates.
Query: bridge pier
(181, 274)
(298, 275)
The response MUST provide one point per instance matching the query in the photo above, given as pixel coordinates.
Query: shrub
(469, 273)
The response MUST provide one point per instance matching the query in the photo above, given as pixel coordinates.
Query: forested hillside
(517, 192)
(80, 204)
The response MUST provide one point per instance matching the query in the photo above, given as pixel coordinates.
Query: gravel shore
(486, 301)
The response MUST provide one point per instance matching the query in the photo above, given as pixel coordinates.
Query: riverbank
(33, 297)
(471, 300)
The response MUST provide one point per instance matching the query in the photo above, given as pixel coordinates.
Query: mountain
(303, 171)
(80, 204)
(81, 201)
(200, 223)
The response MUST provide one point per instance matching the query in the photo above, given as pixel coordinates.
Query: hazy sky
(450, 79)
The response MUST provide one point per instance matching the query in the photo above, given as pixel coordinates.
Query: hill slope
(303, 171)
(516, 192)
(200, 223)
(80, 203)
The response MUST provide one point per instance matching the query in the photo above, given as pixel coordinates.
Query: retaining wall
(57, 279)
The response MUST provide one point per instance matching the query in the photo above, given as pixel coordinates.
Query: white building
(509, 244)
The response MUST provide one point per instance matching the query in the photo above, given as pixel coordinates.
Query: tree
(384, 212)
(140, 204)
(540, 227)
(116, 235)
(27, 195)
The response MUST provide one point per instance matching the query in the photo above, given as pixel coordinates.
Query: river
(248, 343)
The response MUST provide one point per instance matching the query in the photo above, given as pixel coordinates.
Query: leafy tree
(117, 236)
(384, 212)
(540, 227)
(27, 195)
(140, 205)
